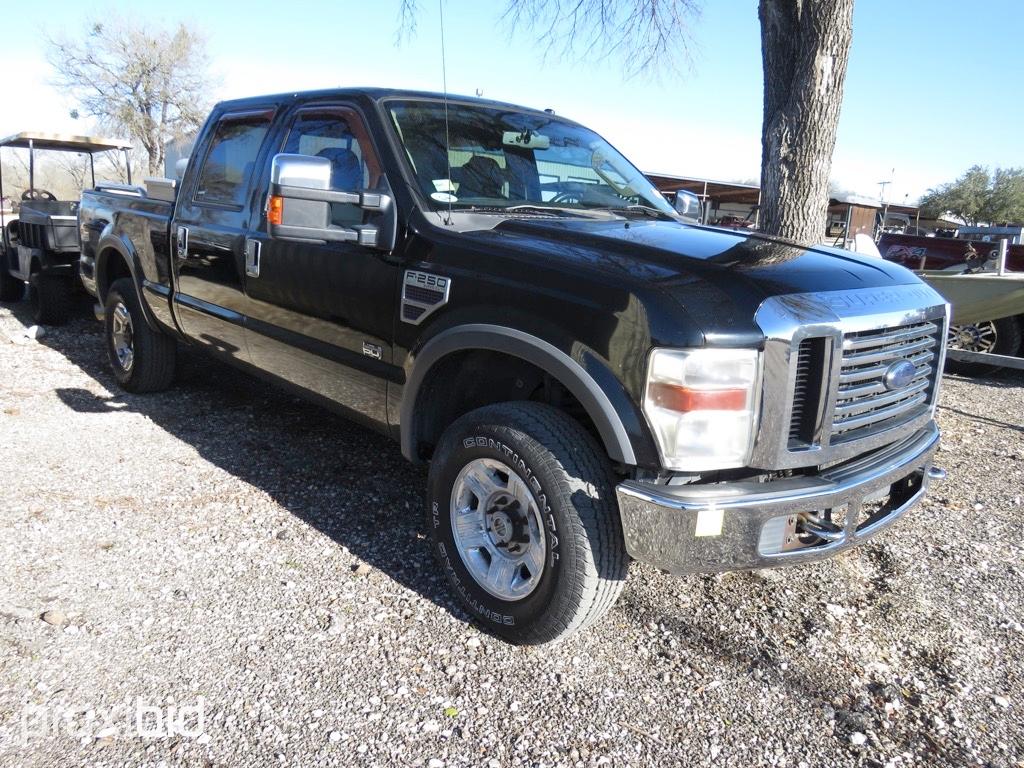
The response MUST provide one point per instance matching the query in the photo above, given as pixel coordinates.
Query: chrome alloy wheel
(121, 336)
(498, 529)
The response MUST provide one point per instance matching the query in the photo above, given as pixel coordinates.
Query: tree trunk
(805, 45)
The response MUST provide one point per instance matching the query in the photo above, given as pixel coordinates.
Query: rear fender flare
(108, 244)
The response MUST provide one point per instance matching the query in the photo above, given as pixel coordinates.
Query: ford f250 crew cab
(590, 379)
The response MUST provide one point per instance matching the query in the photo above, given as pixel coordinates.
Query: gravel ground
(226, 543)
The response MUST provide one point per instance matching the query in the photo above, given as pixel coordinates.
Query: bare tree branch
(408, 13)
(648, 36)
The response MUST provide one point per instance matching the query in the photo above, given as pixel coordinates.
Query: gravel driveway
(224, 549)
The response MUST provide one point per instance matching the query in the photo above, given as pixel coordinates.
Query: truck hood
(713, 273)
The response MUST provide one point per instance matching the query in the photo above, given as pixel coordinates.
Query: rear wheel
(522, 511)
(51, 298)
(1000, 337)
(142, 359)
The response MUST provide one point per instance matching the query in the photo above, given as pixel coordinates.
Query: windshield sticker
(443, 197)
(444, 185)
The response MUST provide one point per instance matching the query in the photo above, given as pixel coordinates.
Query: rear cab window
(231, 157)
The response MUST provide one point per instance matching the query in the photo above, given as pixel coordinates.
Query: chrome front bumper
(744, 525)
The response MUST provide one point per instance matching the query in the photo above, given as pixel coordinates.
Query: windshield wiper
(584, 212)
(646, 210)
(554, 210)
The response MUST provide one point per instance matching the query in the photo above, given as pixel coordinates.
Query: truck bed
(130, 211)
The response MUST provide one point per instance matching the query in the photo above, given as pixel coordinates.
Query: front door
(210, 232)
(321, 316)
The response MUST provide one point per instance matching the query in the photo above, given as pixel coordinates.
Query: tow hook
(822, 529)
(936, 473)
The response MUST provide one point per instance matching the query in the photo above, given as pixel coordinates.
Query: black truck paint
(565, 310)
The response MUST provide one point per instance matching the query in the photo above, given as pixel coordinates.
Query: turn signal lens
(275, 209)
(702, 405)
(682, 399)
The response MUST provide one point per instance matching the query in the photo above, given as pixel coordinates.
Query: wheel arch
(116, 258)
(626, 441)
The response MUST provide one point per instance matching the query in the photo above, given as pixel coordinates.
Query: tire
(11, 288)
(1001, 337)
(142, 359)
(51, 298)
(583, 562)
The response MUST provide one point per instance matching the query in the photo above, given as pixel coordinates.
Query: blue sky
(932, 86)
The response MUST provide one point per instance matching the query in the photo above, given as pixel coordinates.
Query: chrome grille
(865, 404)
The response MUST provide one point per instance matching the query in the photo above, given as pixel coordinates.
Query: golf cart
(39, 245)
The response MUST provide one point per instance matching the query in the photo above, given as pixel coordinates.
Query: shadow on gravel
(346, 481)
(979, 417)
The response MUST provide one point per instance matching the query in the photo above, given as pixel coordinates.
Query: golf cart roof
(63, 141)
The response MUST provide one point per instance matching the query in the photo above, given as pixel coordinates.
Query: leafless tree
(75, 168)
(804, 49)
(148, 83)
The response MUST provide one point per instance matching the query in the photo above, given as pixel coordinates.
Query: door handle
(253, 249)
(181, 242)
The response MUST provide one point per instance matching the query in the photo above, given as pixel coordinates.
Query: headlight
(702, 405)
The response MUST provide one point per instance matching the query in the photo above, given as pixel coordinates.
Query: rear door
(321, 315)
(209, 231)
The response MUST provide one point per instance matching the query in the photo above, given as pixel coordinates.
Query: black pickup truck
(590, 379)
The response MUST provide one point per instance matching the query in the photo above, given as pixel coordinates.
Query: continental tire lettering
(453, 575)
(482, 610)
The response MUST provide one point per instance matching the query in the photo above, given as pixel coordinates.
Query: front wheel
(524, 521)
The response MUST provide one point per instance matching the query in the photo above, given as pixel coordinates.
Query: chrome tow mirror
(299, 205)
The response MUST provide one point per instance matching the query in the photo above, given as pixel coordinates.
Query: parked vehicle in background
(39, 245)
(590, 379)
(998, 333)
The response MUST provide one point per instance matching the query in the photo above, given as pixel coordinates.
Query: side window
(337, 134)
(231, 158)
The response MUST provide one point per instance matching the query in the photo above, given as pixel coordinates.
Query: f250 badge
(423, 294)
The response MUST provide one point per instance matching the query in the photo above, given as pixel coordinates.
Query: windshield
(502, 160)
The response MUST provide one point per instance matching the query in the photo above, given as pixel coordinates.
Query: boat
(981, 296)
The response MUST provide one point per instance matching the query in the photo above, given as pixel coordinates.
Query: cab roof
(375, 94)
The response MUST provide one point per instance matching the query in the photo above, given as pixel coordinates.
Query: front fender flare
(617, 434)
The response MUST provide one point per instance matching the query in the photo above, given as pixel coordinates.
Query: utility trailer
(39, 245)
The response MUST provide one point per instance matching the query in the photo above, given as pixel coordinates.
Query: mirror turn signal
(275, 209)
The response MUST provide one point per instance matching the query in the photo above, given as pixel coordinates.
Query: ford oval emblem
(898, 375)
